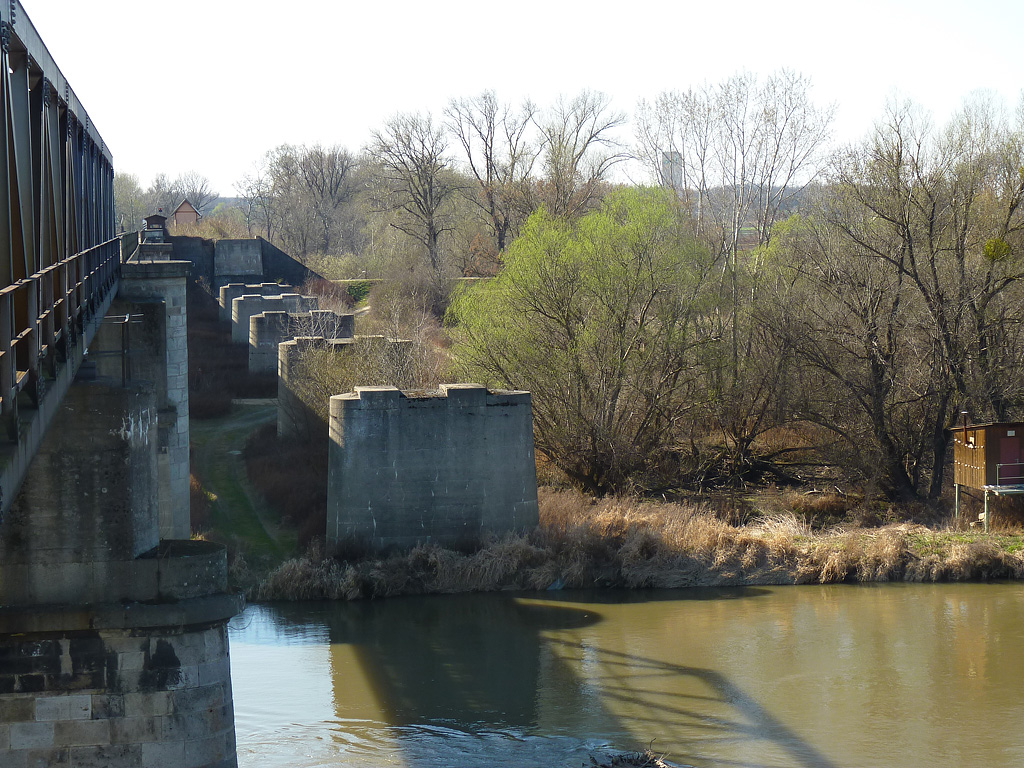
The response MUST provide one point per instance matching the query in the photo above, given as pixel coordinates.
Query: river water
(813, 676)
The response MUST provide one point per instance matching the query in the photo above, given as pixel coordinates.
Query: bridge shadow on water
(487, 670)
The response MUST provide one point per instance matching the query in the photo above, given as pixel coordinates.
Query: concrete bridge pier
(153, 344)
(113, 625)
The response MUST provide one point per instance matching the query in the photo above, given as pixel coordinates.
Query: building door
(1011, 471)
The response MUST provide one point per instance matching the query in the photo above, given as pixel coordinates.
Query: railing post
(9, 403)
(33, 343)
(89, 281)
(48, 342)
(64, 315)
(81, 307)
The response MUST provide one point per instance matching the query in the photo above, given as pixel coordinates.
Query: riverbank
(616, 543)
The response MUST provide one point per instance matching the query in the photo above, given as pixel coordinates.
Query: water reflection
(770, 677)
(458, 660)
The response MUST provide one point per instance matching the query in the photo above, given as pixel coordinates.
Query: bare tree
(737, 155)
(496, 142)
(579, 150)
(913, 308)
(161, 195)
(738, 152)
(326, 174)
(261, 205)
(195, 188)
(415, 182)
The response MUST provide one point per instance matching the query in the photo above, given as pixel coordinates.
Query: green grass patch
(238, 516)
(357, 289)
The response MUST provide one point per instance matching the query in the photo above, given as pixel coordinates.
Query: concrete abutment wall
(245, 306)
(442, 468)
(228, 293)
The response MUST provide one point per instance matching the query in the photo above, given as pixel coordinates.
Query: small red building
(185, 213)
(989, 458)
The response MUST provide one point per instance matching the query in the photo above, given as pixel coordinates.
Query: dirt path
(238, 513)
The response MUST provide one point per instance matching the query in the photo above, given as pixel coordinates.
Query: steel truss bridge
(59, 257)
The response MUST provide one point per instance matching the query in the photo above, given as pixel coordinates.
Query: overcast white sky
(211, 85)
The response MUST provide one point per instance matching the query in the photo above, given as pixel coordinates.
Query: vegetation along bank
(621, 543)
(793, 315)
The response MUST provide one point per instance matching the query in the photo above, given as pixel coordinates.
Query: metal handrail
(41, 316)
(1016, 478)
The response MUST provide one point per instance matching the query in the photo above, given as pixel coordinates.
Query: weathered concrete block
(229, 293)
(76, 733)
(432, 468)
(111, 756)
(189, 726)
(205, 697)
(185, 677)
(242, 308)
(213, 672)
(237, 258)
(164, 697)
(163, 753)
(131, 662)
(211, 751)
(95, 473)
(106, 706)
(150, 704)
(136, 730)
(273, 326)
(266, 330)
(40, 758)
(31, 735)
(64, 707)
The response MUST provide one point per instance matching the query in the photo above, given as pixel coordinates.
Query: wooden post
(956, 503)
(986, 511)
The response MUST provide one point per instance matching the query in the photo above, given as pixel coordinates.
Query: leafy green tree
(596, 318)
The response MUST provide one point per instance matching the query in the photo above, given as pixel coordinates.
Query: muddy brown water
(813, 677)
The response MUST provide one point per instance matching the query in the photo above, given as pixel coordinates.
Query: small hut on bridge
(156, 228)
(989, 458)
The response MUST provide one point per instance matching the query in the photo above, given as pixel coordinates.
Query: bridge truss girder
(60, 176)
(59, 258)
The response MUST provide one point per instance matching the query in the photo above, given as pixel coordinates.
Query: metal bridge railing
(1010, 474)
(42, 316)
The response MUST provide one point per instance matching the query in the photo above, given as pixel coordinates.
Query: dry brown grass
(616, 542)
